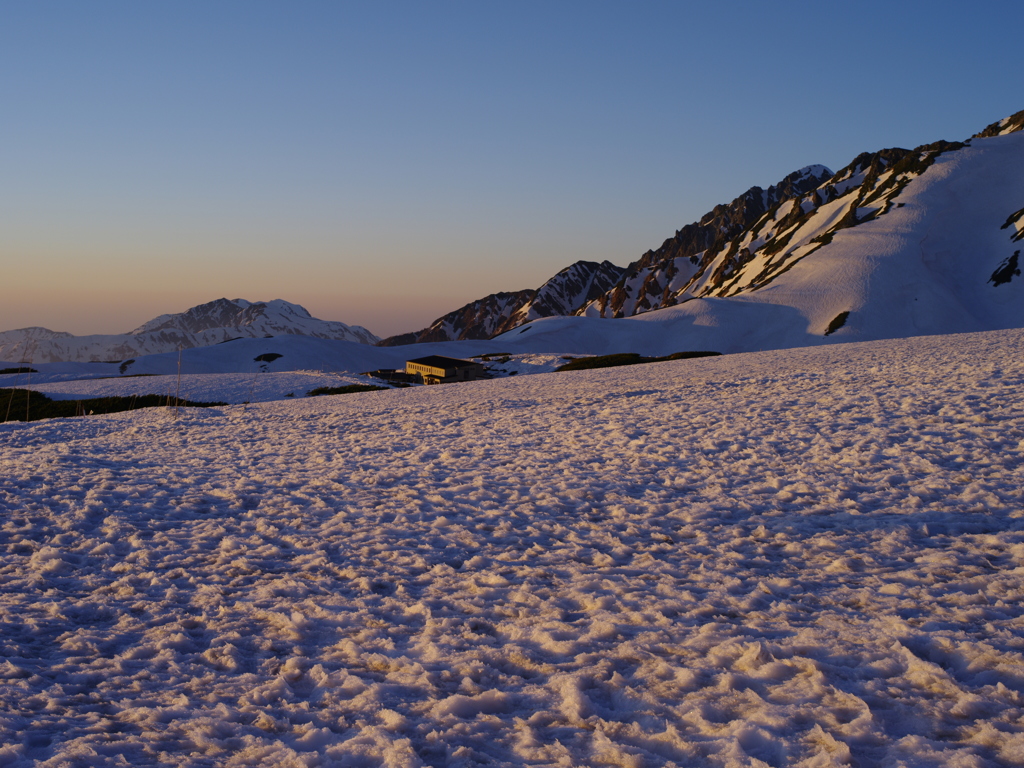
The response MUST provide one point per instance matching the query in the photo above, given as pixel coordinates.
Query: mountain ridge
(214, 322)
(898, 243)
(742, 247)
(563, 294)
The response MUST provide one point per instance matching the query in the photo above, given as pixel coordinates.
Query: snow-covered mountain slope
(717, 325)
(907, 242)
(898, 243)
(565, 293)
(801, 558)
(211, 323)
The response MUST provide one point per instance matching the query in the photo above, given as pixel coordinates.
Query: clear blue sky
(383, 163)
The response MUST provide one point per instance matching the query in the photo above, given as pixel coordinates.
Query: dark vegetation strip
(28, 405)
(627, 358)
(343, 390)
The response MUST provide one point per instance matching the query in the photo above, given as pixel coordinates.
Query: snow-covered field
(806, 557)
(198, 387)
(252, 387)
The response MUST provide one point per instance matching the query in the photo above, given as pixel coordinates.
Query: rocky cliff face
(479, 319)
(656, 278)
(572, 288)
(1007, 125)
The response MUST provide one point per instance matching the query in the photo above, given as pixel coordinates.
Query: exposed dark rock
(485, 318)
(1007, 270)
(704, 238)
(477, 320)
(1011, 124)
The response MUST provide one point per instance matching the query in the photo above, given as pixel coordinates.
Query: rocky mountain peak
(484, 318)
(1011, 124)
(744, 246)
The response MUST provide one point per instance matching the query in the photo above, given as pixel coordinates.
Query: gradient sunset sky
(383, 163)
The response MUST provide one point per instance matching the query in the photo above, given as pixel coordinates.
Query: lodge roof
(439, 361)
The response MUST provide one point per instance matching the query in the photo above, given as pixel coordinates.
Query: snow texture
(803, 558)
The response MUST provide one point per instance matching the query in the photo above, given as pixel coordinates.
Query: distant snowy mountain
(217, 320)
(563, 294)
(210, 323)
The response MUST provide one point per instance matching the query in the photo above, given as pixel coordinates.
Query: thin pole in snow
(252, 389)
(28, 392)
(10, 402)
(177, 390)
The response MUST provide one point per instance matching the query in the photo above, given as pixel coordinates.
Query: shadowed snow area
(805, 557)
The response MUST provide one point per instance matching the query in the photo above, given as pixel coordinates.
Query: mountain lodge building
(436, 369)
